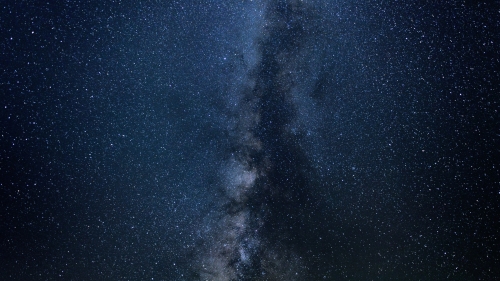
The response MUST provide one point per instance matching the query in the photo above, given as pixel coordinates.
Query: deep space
(250, 140)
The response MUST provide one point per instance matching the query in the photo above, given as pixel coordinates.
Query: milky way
(259, 229)
(249, 140)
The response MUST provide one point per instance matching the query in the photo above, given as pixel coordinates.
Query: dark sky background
(374, 129)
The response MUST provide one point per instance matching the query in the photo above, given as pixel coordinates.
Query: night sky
(250, 140)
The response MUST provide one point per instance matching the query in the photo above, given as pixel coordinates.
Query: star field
(249, 140)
